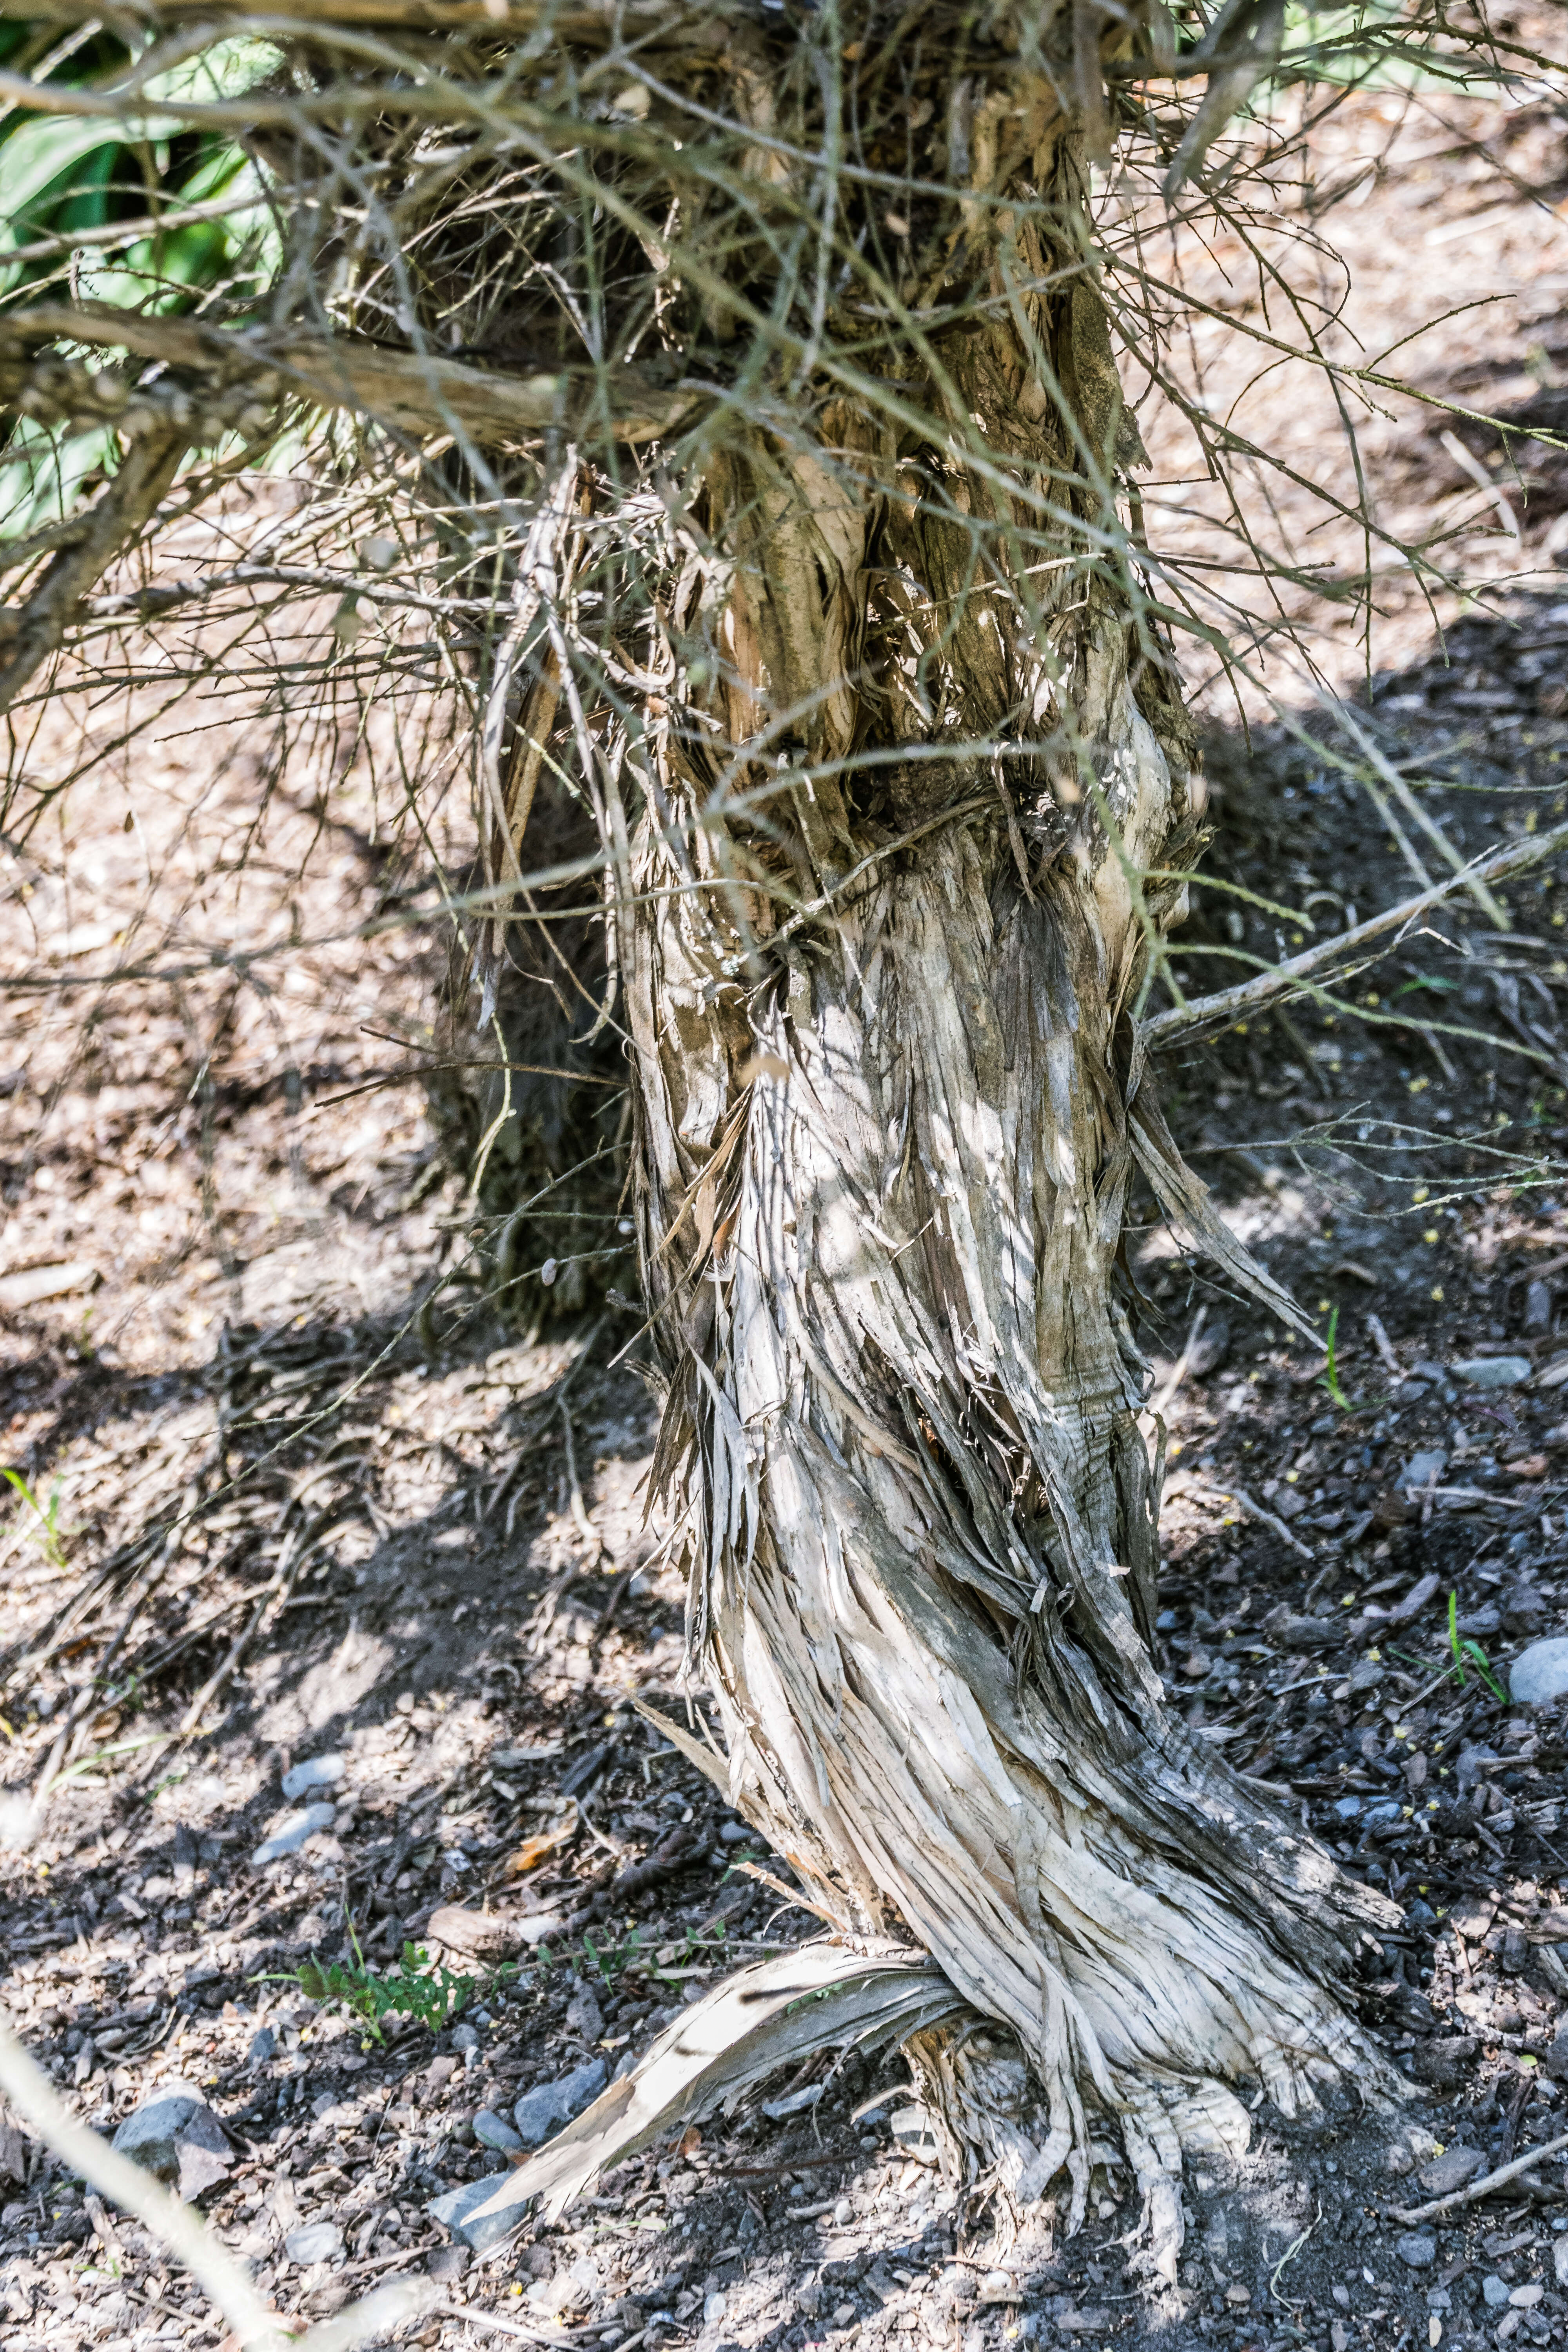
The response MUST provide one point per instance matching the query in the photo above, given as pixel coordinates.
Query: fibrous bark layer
(914, 816)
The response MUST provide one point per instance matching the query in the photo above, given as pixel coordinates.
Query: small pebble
(1417, 2249)
(1494, 2291)
(176, 2137)
(1492, 1372)
(1451, 2170)
(1539, 1672)
(540, 2111)
(493, 2131)
(318, 2241)
(316, 1772)
(291, 1833)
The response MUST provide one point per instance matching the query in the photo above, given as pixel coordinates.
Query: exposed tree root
(823, 1996)
(1000, 2135)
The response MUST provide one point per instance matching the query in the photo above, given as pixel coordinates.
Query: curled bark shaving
(823, 1996)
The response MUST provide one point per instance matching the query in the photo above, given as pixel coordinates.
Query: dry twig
(1482, 2188)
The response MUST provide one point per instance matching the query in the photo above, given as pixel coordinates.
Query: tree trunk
(913, 746)
(916, 794)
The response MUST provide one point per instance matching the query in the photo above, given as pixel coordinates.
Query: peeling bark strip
(761, 2018)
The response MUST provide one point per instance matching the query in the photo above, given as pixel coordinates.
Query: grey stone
(1439, 2299)
(1492, 1372)
(794, 2103)
(170, 2134)
(466, 2037)
(317, 2242)
(493, 2131)
(583, 2016)
(1422, 1470)
(201, 2168)
(263, 2042)
(291, 1832)
(1452, 2169)
(490, 1935)
(316, 1772)
(1539, 1672)
(1526, 2298)
(448, 2264)
(1494, 2291)
(734, 1833)
(548, 2105)
(458, 2210)
(1417, 2249)
(343, 2115)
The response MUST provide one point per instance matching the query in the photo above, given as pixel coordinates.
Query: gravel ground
(318, 1497)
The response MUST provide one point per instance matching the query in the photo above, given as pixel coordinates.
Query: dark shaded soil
(304, 1507)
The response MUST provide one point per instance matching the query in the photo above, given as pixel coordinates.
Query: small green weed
(47, 1532)
(1435, 984)
(1469, 1652)
(432, 1996)
(1330, 1377)
(667, 1964)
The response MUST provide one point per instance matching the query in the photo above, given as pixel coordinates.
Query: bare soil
(320, 1492)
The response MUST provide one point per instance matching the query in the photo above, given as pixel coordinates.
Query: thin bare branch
(410, 392)
(1283, 980)
(119, 514)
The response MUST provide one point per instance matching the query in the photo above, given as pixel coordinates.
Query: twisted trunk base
(901, 1420)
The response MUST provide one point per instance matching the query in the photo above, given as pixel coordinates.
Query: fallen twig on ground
(1243, 1500)
(1482, 2188)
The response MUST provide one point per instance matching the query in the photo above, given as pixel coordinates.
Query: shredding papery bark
(885, 1162)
